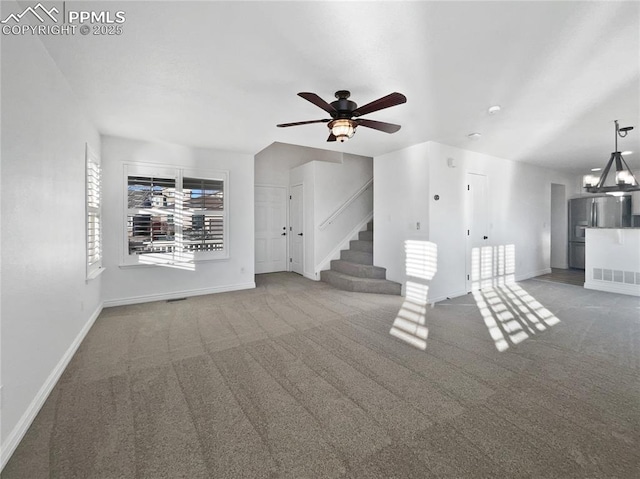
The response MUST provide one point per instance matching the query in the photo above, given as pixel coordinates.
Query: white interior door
(271, 229)
(296, 230)
(477, 226)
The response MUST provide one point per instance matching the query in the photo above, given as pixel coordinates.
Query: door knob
(299, 234)
(485, 237)
(284, 234)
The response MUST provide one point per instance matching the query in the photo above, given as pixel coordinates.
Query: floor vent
(616, 276)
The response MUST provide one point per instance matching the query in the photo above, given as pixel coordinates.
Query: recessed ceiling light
(626, 152)
(494, 109)
(474, 136)
(596, 169)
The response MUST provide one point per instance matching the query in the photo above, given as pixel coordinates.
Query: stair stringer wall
(330, 188)
(325, 263)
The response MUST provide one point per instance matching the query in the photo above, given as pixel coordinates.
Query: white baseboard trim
(344, 244)
(611, 287)
(20, 429)
(450, 296)
(178, 294)
(522, 277)
(311, 276)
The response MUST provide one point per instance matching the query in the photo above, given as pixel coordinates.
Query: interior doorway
(296, 221)
(477, 232)
(271, 229)
(559, 227)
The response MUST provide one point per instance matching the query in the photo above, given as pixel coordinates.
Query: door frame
(290, 228)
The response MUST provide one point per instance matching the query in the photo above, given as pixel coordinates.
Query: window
(93, 213)
(151, 217)
(175, 216)
(203, 225)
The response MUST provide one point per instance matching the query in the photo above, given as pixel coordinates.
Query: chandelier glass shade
(342, 129)
(624, 179)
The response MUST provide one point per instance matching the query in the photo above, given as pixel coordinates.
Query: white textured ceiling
(223, 74)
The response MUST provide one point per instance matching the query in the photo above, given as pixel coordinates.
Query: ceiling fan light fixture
(342, 111)
(342, 129)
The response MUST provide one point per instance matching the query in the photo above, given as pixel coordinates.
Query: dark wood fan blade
(378, 125)
(282, 125)
(331, 137)
(317, 101)
(390, 100)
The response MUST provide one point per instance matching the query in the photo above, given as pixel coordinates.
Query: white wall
(272, 165)
(47, 305)
(615, 252)
(327, 186)
(330, 178)
(400, 201)
(335, 184)
(130, 284)
(519, 210)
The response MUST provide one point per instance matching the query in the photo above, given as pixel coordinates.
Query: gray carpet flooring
(569, 276)
(296, 379)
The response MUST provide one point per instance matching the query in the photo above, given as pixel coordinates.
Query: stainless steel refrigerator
(594, 212)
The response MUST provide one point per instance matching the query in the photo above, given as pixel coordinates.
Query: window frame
(179, 256)
(93, 208)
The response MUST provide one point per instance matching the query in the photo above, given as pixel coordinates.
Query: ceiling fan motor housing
(343, 106)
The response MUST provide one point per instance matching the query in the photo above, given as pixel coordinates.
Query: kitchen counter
(612, 260)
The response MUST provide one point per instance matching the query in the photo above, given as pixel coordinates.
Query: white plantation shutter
(151, 205)
(94, 220)
(174, 216)
(204, 212)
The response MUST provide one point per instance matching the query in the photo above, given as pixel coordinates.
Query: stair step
(360, 245)
(358, 270)
(365, 235)
(360, 257)
(360, 285)
(370, 226)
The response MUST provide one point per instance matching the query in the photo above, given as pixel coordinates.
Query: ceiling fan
(342, 123)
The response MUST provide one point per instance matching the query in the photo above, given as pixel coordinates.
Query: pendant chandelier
(624, 177)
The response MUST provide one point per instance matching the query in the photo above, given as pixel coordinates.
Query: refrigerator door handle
(593, 219)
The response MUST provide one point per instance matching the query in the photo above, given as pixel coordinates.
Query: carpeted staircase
(354, 271)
